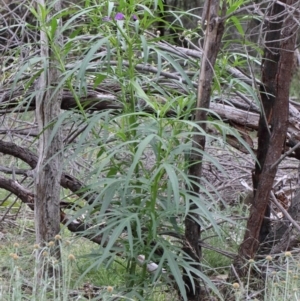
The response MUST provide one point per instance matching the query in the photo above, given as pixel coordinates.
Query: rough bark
(212, 44)
(273, 123)
(49, 166)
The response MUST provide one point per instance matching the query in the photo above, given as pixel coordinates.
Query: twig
(284, 212)
(16, 171)
(285, 155)
(236, 275)
(225, 253)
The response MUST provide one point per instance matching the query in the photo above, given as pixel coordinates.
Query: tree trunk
(273, 123)
(49, 167)
(212, 44)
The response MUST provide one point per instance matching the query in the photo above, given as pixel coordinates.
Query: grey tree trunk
(212, 45)
(49, 167)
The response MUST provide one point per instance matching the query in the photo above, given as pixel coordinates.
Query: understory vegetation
(19, 267)
(149, 151)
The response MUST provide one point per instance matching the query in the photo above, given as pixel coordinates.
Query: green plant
(133, 152)
(139, 169)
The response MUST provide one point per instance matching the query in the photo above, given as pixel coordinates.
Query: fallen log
(97, 100)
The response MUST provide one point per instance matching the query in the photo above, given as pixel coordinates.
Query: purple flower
(119, 17)
(106, 19)
(134, 17)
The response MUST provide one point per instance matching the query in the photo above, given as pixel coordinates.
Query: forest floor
(18, 249)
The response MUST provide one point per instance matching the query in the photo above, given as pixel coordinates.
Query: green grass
(18, 267)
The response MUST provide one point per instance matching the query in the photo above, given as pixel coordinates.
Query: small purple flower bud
(119, 17)
(134, 17)
(106, 19)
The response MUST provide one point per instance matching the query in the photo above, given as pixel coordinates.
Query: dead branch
(67, 181)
